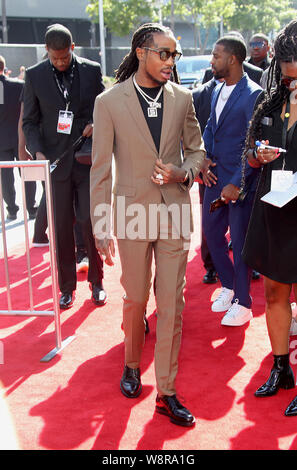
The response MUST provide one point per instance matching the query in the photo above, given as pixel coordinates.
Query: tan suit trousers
(170, 261)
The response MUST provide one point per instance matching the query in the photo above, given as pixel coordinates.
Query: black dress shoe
(33, 213)
(98, 294)
(255, 275)
(210, 277)
(292, 408)
(11, 216)
(178, 414)
(130, 383)
(66, 300)
(281, 376)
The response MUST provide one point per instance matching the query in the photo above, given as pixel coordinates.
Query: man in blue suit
(224, 136)
(202, 102)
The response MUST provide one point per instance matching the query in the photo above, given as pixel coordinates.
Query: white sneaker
(237, 315)
(223, 302)
(83, 265)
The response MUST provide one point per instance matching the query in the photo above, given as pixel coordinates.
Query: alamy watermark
(138, 222)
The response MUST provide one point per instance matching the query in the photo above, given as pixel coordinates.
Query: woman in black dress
(271, 242)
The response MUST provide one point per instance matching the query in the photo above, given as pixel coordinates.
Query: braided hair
(143, 36)
(285, 48)
(277, 94)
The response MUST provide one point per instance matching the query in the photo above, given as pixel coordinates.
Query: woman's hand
(265, 156)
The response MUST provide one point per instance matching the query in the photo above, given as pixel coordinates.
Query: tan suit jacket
(120, 128)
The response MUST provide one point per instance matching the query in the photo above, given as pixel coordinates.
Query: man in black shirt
(10, 93)
(59, 96)
(259, 48)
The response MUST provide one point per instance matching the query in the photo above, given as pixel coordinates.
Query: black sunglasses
(164, 55)
(286, 81)
(259, 44)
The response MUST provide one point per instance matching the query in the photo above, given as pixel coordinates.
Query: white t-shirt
(223, 98)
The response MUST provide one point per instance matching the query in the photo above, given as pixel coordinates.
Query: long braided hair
(285, 47)
(143, 36)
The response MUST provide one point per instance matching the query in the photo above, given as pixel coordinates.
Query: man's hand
(106, 249)
(88, 130)
(209, 178)
(24, 154)
(40, 156)
(167, 173)
(230, 193)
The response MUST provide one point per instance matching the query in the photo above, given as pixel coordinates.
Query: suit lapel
(230, 102)
(215, 97)
(51, 86)
(83, 84)
(135, 110)
(168, 113)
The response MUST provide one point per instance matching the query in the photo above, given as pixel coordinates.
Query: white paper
(281, 180)
(281, 198)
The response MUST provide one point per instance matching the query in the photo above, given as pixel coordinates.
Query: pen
(264, 146)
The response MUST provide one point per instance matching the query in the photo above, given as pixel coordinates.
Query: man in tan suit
(143, 120)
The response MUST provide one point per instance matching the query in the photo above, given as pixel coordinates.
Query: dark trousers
(237, 275)
(40, 226)
(8, 188)
(67, 194)
(205, 253)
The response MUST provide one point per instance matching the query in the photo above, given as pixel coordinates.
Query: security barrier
(35, 171)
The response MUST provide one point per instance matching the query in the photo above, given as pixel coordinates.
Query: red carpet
(74, 401)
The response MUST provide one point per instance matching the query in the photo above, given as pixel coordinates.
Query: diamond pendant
(152, 112)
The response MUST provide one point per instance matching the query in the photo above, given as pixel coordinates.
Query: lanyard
(63, 88)
(287, 136)
(285, 126)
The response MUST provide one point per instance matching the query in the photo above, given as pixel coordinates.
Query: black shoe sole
(163, 411)
(66, 307)
(131, 396)
(271, 394)
(99, 303)
(213, 281)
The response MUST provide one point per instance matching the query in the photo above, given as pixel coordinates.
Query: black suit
(42, 103)
(254, 73)
(11, 90)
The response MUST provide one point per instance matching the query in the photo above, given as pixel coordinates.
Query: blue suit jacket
(202, 101)
(225, 140)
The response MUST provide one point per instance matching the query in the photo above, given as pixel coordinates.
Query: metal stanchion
(35, 171)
